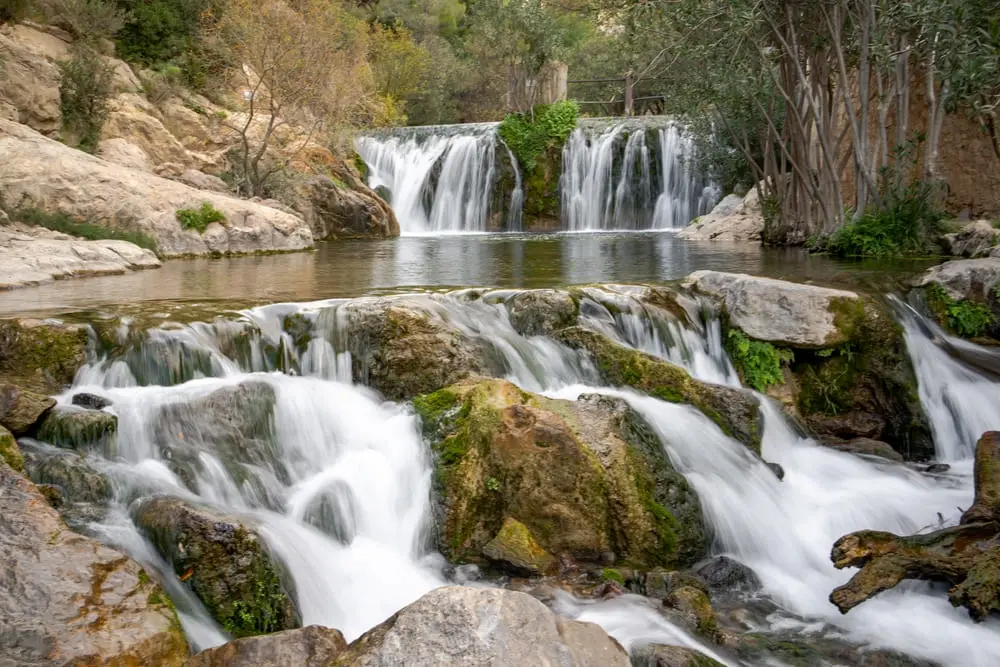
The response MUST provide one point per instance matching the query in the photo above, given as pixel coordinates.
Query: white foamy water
(339, 447)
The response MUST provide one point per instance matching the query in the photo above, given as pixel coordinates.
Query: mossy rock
(223, 561)
(587, 479)
(41, 356)
(695, 605)
(21, 410)
(10, 453)
(74, 428)
(70, 472)
(515, 548)
(541, 188)
(736, 412)
(661, 655)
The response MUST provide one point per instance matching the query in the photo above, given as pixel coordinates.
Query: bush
(12, 11)
(200, 218)
(60, 222)
(90, 20)
(758, 363)
(159, 31)
(965, 318)
(86, 87)
(530, 135)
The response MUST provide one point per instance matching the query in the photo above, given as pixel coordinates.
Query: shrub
(966, 318)
(12, 11)
(90, 20)
(159, 31)
(530, 135)
(86, 87)
(60, 222)
(200, 218)
(758, 363)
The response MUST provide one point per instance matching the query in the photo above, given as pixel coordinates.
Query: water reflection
(353, 268)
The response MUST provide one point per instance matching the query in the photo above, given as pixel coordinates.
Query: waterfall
(442, 179)
(340, 446)
(613, 180)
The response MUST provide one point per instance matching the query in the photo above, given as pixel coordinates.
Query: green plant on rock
(200, 218)
(759, 363)
(87, 84)
(966, 318)
(528, 135)
(611, 574)
(60, 222)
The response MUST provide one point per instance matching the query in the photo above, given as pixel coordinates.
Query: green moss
(199, 219)
(759, 363)
(84, 229)
(611, 574)
(361, 166)
(431, 408)
(299, 328)
(41, 357)
(10, 453)
(263, 613)
(963, 317)
(849, 316)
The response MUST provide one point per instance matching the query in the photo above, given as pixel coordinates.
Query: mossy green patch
(41, 356)
(91, 230)
(611, 574)
(758, 363)
(965, 318)
(10, 453)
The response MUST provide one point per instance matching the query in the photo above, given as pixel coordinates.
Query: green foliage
(12, 11)
(158, 31)
(86, 87)
(964, 317)
(759, 363)
(493, 484)
(200, 218)
(530, 135)
(260, 615)
(611, 574)
(60, 222)
(91, 20)
(906, 225)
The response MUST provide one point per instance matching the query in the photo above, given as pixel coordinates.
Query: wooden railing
(628, 104)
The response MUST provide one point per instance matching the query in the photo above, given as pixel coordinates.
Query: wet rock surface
(41, 356)
(312, 646)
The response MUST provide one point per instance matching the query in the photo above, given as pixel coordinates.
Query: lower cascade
(325, 448)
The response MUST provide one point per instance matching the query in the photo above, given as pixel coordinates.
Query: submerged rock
(68, 600)
(41, 356)
(90, 401)
(735, 411)
(587, 479)
(71, 473)
(541, 312)
(75, 428)
(312, 646)
(866, 447)
(223, 561)
(20, 410)
(456, 626)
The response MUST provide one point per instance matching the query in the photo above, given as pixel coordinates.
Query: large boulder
(522, 478)
(735, 411)
(780, 312)
(223, 561)
(976, 239)
(21, 410)
(78, 428)
(457, 626)
(41, 356)
(68, 600)
(334, 210)
(312, 646)
(10, 453)
(71, 473)
(31, 78)
(132, 118)
(965, 279)
(38, 172)
(732, 219)
(541, 312)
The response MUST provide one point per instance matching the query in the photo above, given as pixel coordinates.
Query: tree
(400, 66)
(302, 65)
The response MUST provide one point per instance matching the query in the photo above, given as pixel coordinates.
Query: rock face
(523, 478)
(976, 239)
(781, 312)
(335, 210)
(736, 412)
(966, 556)
(40, 172)
(732, 219)
(66, 599)
(313, 646)
(41, 356)
(224, 563)
(76, 479)
(30, 78)
(541, 312)
(457, 626)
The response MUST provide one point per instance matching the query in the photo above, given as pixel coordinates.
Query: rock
(514, 547)
(20, 410)
(457, 626)
(402, 347)
(223, 561)
(986, 506)
(732, 219)
(312, 646)
(70, 472)
(541, 312)
(936, 469)
(335, 210)
(233, 424)
(34, 255)
(41, 356)
(776, 468)
(9, 451)
(976, 239)
(965, 279)
(722, 573)
(124, 153)
(202, 181)
(660, 655)
(81, 429)
(966, 556)
(44, 173)
(90, 401)
(694, 605)
(736, 412)
(780, 312)
(30, 79)
(866, 447)
(134, 119)
(68, 600)
(589, 479)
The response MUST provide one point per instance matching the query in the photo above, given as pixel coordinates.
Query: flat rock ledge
(34, 256)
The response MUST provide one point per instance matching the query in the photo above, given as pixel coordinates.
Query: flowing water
(339, 447)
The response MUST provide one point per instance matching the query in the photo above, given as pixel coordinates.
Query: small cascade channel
(628, 174)
(337, 445)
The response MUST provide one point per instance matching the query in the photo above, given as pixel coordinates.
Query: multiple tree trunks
(966, 556)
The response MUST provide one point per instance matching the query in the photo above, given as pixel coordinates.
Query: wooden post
(629, 94)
